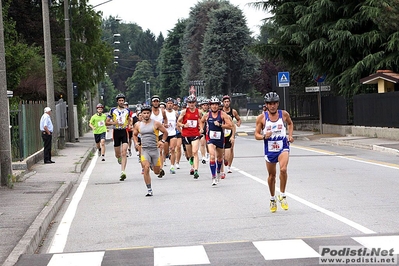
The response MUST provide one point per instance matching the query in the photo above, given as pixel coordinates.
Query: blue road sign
(319, 78)
(283, 79)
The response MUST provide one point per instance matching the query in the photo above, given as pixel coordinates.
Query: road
(336, 195)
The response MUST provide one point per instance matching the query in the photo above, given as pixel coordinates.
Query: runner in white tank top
(270, 128)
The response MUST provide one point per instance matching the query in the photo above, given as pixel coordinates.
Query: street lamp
(149, 90)
(145, 91)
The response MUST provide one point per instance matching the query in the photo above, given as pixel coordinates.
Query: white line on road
(59, 241)
(314, 206)
(351, 158)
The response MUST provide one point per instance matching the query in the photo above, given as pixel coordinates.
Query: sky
(162, 15)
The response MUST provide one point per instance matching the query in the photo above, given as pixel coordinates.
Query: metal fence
(26, 137)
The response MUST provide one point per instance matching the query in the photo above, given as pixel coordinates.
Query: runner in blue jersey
(215, 122)
(270, 127)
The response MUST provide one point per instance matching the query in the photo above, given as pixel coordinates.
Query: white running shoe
(177, 166)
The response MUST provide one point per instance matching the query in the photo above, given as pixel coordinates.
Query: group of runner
(161, 130)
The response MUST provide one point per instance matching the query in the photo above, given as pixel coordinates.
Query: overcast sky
(162, 15)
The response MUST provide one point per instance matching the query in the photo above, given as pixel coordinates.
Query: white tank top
(276, 127)
(172, 119)
(158, 117)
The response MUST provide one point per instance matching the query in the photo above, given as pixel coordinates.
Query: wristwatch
(163, 140)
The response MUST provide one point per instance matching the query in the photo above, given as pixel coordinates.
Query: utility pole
(48, 57)
(5, 138)
(71, 117)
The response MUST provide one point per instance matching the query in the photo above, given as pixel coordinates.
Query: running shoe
(191, 160)
(223, 175)
(191, 171)
(129, 153)
(229, 170)
(120, 160)
(177, 166)
(99, 152)
(203, 161)
(196, 175)
(218, 177)
(273, 206)
(161, 173)
(123, 176)
(172, 170)
(103, 159)
(149, 194)
(283, 202)
(214, 181)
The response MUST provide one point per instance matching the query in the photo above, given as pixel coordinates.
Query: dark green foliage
(170, 62)
(347, 40)
(192, 41)
(225, 62)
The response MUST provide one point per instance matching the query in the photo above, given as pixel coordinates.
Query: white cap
(47, 109)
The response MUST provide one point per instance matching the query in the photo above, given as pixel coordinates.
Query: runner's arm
(259, 127)
(290, 126)
(237, 117)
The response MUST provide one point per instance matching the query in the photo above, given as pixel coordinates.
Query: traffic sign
(317, 88)
(283, 79)
(319, 78)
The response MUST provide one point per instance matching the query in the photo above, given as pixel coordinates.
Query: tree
(135, 86)
(226, 64)
(347, 40)
(108, 91)
(170, 62)
(24, 61)
(193, 40)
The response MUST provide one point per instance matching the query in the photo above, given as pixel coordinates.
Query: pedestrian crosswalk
(268, 252)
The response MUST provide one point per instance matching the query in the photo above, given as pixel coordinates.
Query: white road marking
(77, 259)
(350, 158)
(285, 249)
(383, 242)
(313, 206)
(192, 255)
(59, 241)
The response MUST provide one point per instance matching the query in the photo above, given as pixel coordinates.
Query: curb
(35, 233)
(81, 164)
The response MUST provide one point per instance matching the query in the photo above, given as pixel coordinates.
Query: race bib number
(275, 146)
(227, 132)
(192, 123)
(101, 123)
(215, 134)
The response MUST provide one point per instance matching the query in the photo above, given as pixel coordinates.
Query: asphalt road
(334, 193)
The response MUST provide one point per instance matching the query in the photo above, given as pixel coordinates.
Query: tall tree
(347, 40)
(170, 62)
(225, 61)
(193, 40)
(135, 92)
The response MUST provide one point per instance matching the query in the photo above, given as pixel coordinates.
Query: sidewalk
(29, 207)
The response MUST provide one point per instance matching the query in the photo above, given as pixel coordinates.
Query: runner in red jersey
(189, 121)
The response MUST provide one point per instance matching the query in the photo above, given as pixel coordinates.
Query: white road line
(59, 241)
(314, 206)
(191, 255)
(351, 158)
(77, 259)
(277, 249)
(384, 242)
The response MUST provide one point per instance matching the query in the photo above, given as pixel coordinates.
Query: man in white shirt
(46, 127)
